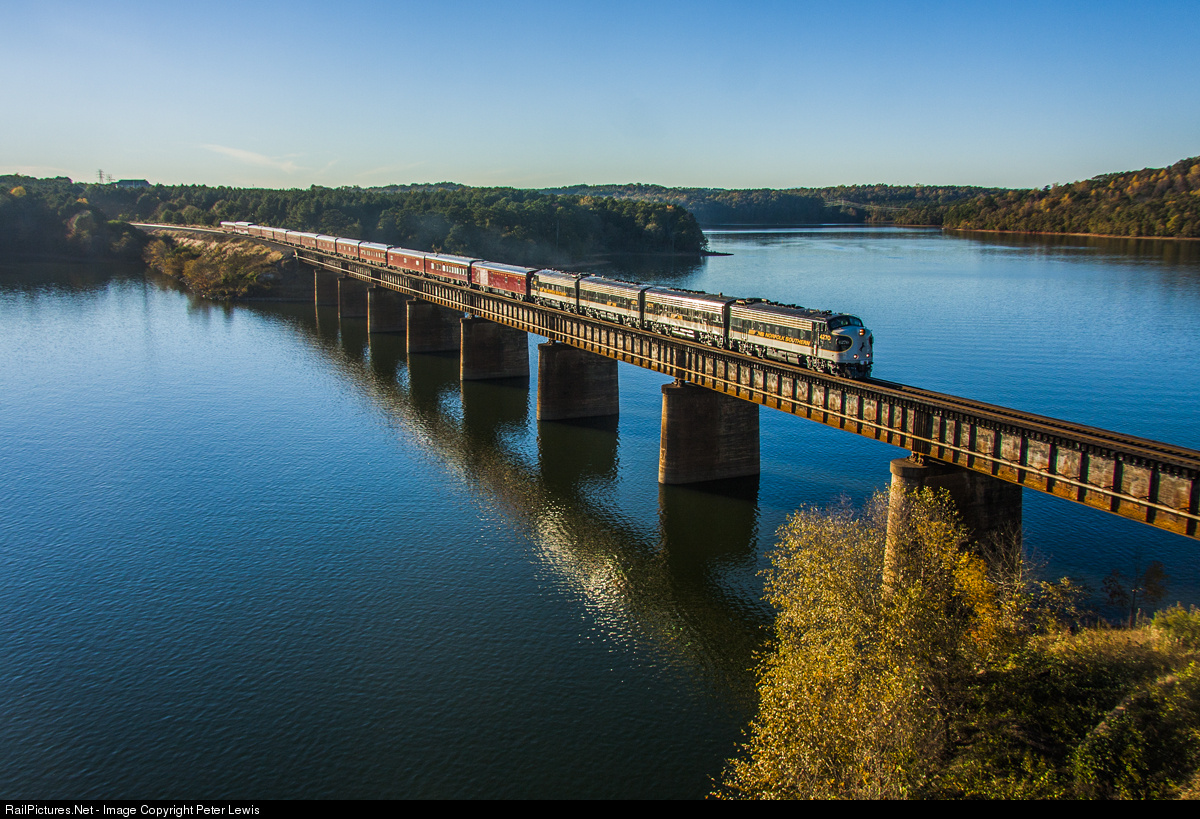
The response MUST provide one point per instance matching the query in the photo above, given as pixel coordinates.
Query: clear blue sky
(533, 94)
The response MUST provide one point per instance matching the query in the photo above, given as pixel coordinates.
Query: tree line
(506, 224)
(55, 216)
(1149, 202)
(1152, 202)
(842, 204)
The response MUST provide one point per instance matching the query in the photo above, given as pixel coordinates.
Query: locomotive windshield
(844, 321)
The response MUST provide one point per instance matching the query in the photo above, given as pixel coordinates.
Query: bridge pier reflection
(492, 409)
(714, 522)
(578, 454)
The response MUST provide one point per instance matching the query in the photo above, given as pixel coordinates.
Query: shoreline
(1052, 233)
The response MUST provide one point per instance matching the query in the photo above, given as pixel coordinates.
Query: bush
(1181, 626)
(863, 676)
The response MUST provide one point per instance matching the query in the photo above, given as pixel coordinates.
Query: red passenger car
(327, 243)
(373, 252)
(412, 261)
(455, 269)
(348, 247)
(506, 279)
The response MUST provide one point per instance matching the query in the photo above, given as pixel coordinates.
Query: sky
(539, 94)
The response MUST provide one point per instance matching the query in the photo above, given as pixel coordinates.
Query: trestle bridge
(982, 453)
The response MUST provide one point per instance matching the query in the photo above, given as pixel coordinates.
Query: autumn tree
(861, 678)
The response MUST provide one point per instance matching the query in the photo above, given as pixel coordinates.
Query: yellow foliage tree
(858, 687)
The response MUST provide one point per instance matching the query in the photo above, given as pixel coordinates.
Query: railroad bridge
(985, 455)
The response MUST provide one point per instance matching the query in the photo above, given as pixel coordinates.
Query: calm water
(248, 552)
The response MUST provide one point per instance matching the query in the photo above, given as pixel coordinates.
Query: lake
(250, 552)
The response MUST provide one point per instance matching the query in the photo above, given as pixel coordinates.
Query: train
(821, 340)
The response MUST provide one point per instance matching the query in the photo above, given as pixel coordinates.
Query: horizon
(444, 183)
(533, 95)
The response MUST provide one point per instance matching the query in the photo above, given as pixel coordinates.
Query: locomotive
(821, 340)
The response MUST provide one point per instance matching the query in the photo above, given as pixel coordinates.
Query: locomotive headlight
(862, 332)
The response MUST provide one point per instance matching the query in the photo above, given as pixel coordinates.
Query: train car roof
(506, 268)
(373, 245)
(556, 274)
(601, 283)
(783, 310)
(707, 300)
(446, 257)
(406, 252)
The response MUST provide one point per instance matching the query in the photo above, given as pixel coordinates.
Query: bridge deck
(1148, 481)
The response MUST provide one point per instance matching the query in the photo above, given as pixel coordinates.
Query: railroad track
(1057, 427)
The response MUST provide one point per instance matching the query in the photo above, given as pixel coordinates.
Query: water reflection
(1169, 252)
(578, 456)
(665, 585)
(664, 269)
(33, 277)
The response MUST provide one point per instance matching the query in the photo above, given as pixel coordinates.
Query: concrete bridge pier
(432, 329)
(491, 350)
(706, 435)
(574, 383)
(325, 288)
(386, 311)
(990, 509)
(352, 298)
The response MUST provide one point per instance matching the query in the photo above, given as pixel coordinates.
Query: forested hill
(844, 204)
(1149, 202)
(505, 224)
(55, 217)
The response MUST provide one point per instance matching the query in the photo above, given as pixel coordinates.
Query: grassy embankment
(217, 268)
(958, 677)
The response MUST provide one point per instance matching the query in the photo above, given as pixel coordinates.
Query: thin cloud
(408, 166)
(41, 170)
(251, 158)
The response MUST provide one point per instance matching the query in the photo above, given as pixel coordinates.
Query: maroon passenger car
(507, 279)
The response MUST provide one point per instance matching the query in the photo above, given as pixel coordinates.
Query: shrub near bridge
(962, 679)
